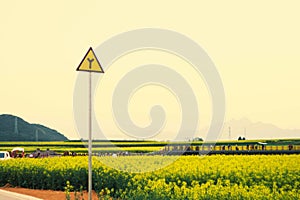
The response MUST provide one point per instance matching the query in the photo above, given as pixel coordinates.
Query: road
(6, 195)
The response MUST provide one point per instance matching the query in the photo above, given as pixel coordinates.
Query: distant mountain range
(256, 130)
(13, 128)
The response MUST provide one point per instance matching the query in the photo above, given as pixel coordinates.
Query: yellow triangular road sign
(90, 63)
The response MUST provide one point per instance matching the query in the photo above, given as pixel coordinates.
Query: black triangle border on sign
(90, 49)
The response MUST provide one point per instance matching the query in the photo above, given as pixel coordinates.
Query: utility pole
(16, 131)
(36, 135)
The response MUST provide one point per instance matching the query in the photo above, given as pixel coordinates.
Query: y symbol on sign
(90, 61)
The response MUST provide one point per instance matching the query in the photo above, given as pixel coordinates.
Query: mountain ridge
(14, 128)
(256, 130)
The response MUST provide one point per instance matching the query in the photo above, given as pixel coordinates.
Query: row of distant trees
(241, 138)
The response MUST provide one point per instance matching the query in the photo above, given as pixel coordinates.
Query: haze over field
(254, 46)
(255, 130)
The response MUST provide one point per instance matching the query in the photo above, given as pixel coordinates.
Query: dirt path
(47, 194)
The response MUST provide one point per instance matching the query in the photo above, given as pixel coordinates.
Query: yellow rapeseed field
(164, 177)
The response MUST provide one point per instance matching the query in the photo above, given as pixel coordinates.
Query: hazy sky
(254, 45)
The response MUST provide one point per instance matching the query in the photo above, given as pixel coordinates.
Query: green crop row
(140, 146)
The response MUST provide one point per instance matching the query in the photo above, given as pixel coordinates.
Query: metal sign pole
(90, 64)
(90, 139)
